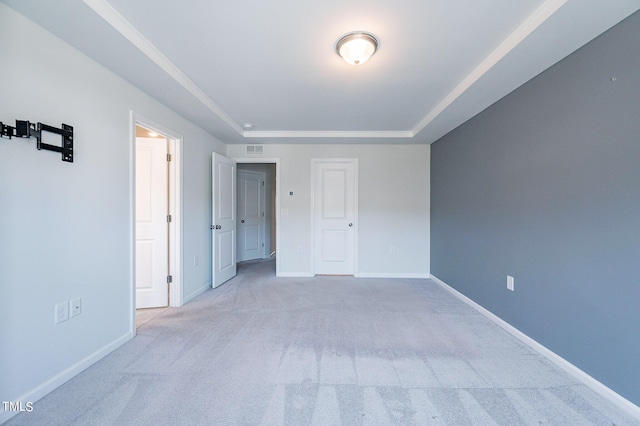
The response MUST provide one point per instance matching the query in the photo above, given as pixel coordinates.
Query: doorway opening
(258, 200)
(155, 164)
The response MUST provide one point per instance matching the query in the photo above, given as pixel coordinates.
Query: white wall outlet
(61, 312)
(75, 307)
(510, 283)
(300, 250)
(393, 250)
(196, 261)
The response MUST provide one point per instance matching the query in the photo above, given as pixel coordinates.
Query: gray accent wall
(545, 186)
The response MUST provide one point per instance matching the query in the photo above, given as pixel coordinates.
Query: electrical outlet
(61, 312)
(510, 283)
(393, 250)
(75, 307)
(299, 249)
(196, 261)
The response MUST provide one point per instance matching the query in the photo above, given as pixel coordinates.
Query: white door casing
(152, 238)
(277, 211)
(334, 209)
(251, 213)
(223, 226)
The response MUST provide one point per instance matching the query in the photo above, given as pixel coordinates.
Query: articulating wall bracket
(25, 129)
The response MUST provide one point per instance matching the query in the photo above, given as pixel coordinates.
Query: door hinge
(262, 214)
(262, 183)
(169, 279)
(168, 157)
(262, 244)
(169, 218)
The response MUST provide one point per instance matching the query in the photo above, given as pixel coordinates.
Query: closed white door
(152, 232)
(335, 215)
(250, 215)
(223, 227)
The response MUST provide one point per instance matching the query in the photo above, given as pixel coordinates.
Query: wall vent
(255, 150)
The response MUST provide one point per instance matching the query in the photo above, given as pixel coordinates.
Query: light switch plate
(75, 307)
(510, 283)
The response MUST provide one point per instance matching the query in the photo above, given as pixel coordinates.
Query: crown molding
(120, 24)
(128, 31)
(547, 9)
(327, 134)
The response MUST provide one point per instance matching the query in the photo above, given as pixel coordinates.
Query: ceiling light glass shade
(356, 48)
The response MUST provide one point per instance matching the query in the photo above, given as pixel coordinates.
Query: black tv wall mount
(25, 129)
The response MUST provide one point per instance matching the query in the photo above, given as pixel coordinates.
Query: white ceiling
(272, 63)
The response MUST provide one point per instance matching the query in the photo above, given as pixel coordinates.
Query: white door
(152, 233)
(335, 215)
(223, 227)
(250, 215)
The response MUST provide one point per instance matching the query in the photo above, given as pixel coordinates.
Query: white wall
(393, 206)
(65, 227)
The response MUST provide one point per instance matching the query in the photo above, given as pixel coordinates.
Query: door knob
(242, 221)
(351, 224)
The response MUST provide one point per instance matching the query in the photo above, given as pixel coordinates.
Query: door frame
(175, 210)
(263, 208)
(276, 215)
(314, 162)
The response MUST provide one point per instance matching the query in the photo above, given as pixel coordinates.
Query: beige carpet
(324, 351)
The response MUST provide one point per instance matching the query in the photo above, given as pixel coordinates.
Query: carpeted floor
(262, 350)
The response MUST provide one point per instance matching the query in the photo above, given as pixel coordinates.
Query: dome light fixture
(356, 47)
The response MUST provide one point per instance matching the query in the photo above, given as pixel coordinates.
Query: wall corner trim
(67, 374)
(601, 389)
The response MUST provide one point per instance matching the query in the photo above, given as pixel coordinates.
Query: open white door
(152, 237)
(223, 226)
(251, 208)
(335, 215)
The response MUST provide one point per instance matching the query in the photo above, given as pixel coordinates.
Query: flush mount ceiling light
(356, 47)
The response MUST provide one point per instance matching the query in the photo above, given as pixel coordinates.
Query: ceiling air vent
(255, 150)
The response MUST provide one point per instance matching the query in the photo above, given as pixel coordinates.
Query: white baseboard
(601, 389)
(65, 375)
(357, 275)
(195, 294)
(390, 275)
(295, 275)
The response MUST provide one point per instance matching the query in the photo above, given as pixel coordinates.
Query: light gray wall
(545, 186)
(65, 228)
(393, 205)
